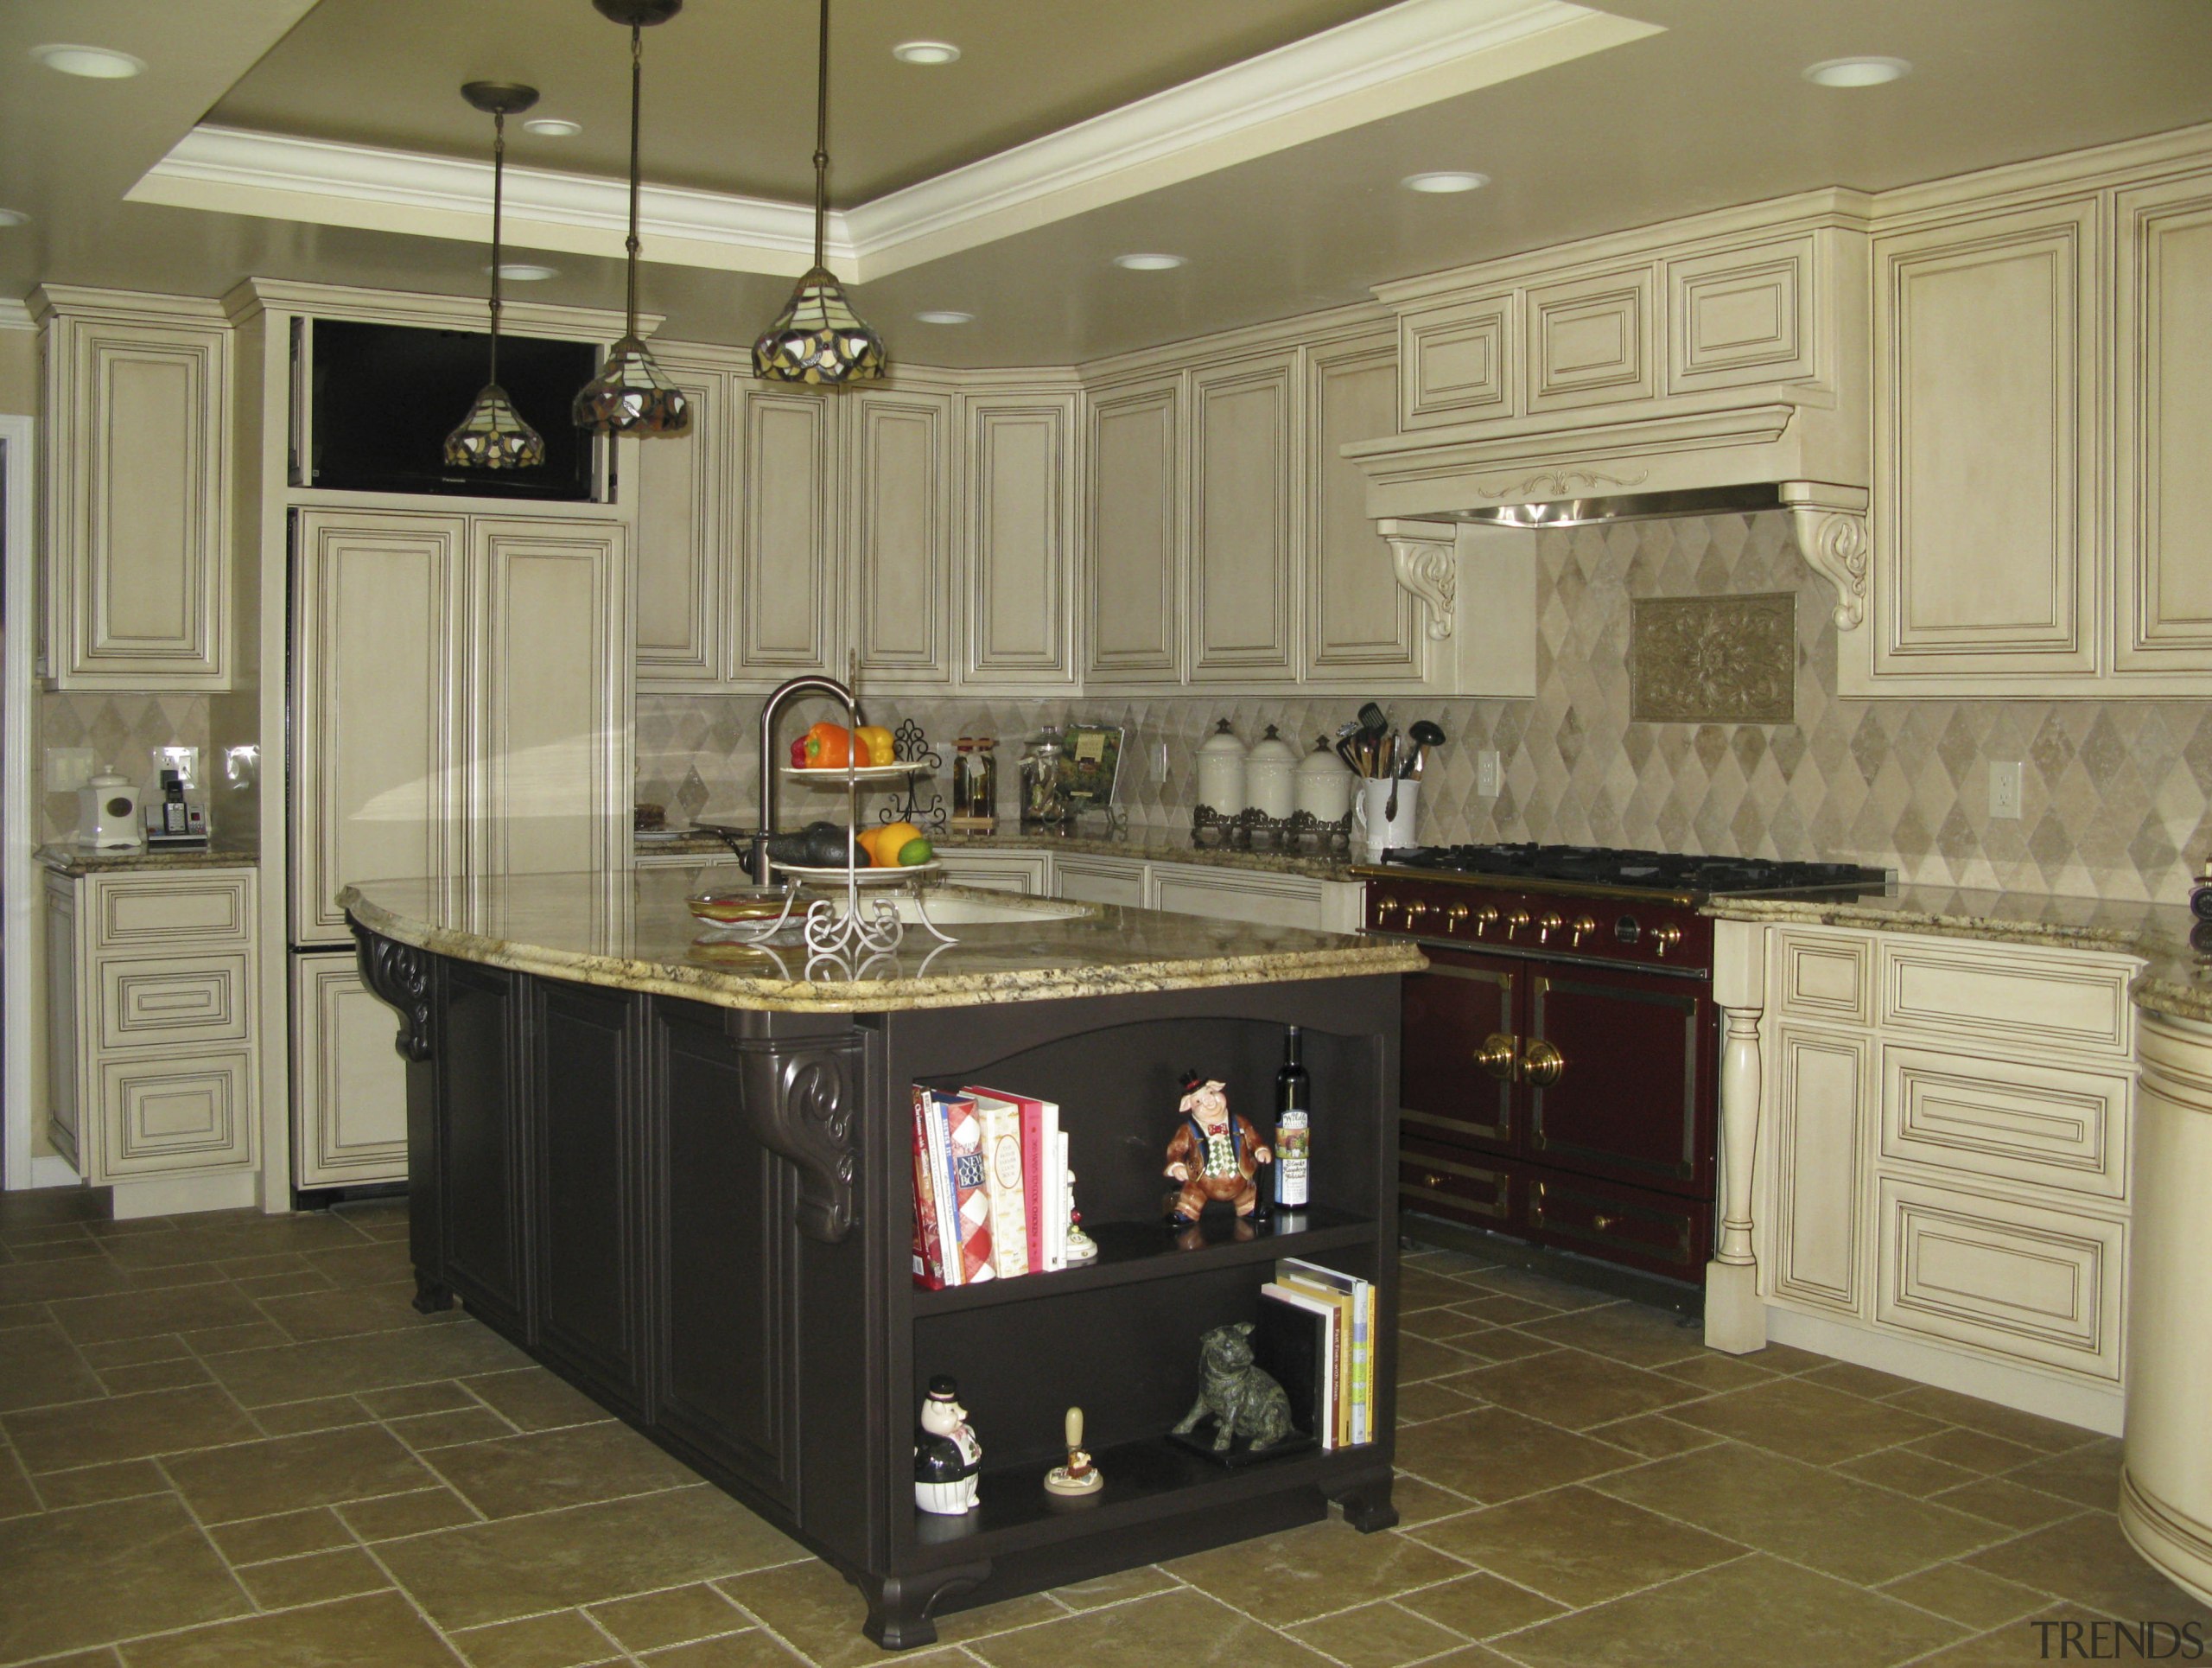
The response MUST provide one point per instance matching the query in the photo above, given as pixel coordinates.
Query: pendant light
(493, 436)
(818, 337)
(630, 395)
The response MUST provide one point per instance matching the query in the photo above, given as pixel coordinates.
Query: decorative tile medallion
(1713, 660)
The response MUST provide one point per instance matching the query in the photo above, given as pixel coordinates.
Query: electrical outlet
(68, 768)
(185, 761)
(2005, 789)
(1159, 760)
(1489, 774)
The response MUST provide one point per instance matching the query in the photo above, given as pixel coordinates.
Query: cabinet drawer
(2033, 997)
(997, 871)
(177, 1112)
(2038, 1286)
(1100, 879)
(1646, 1230)
(166, 1001)
(143, 912)
(2035, 1123)
(1826, 976)
(1458, 1186)
(1227, 895)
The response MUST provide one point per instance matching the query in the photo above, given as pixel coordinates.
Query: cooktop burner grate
(1633, 870)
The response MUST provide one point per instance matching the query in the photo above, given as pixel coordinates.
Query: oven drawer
(1456, 1185)
(2044, 1125)
(1673, 1237)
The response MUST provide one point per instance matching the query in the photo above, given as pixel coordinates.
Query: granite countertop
(79, 861)
(2174, 979)
(1143, 845)
(638, 935)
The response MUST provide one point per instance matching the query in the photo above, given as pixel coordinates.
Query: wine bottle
(1293, 1109)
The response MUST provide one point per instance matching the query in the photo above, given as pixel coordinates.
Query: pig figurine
(947, 1456)
(1214, 1153)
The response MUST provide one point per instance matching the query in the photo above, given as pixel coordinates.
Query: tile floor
(229, 1440)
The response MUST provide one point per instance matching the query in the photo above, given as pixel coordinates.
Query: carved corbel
(1831, 528)
(799, 1102)
(400, 975)
(1424, 557)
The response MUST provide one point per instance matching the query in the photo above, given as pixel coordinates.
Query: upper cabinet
(682, 493)
(1135, 595)
(137, 560)
(1244, 515)
(898, 505)
(1019, 540)
(787, 593)
(1359, 626)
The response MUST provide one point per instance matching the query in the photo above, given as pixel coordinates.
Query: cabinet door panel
(1100, 879)
(1590, 339)
(787, 611)
(1636, 1054)
(550, 700)
(1242, 510)
(685, 592)
(1003, 871)
(1985, 541)
(174, 1111)
(1459, 361)
(2162, 529)
(477, 1130)
(167, 1001)
(349, 1084)
(1267, 901)
(1359, 621)
(1743, 315)
(376, 634)
(902, 536)
(1020, 539)
(64, 1058)
(1823, 1083)
(1136, 534)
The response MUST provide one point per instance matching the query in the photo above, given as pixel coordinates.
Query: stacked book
(991, 1187)
(1314, 1332)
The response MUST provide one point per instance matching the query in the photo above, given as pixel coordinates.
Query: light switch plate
(2005, 789)
(1489, 777)
(68, 768)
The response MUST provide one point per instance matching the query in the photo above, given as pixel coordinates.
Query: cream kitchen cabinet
(349, 1084)
(1134, 591)
(899, 495)
(1360, 627)
(1018, 537)
(1090, 878)
(151, 1062)
(789, 592)
(1245, 521)
(1029, 873)
(135, 447)
(683, 495)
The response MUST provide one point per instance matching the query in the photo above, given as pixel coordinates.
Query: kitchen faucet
(810, 683)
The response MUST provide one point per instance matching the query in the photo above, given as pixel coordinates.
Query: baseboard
(2085, 1405)
(51, 1170)
(180, 1195)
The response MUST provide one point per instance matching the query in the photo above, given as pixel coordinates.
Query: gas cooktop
(1612, 869)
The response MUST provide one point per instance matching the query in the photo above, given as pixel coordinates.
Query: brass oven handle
(1665, 938)
(1541, 1063)
(1485, 918)
(1546, 928)
(1515, 921)
(1604, 1224)
(1583, 926)
(1496, 1056)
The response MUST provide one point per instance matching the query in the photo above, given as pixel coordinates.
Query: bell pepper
(877, 742)
(828, 747)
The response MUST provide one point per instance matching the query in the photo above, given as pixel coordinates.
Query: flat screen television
(384, 396)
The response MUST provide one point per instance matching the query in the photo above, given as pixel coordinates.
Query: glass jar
(976, 787)
(1044, 802)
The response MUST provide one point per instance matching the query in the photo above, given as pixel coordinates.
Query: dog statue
(1243, 1400)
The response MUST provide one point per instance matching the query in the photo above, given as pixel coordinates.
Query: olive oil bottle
(1293, 1125)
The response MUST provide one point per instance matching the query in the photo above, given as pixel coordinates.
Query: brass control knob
(1582, 924)
(1546, 928)
(1515, 921)
(1385, 906)
(1665, 938)
(1453, 915)
(1485, 918)
(1415, 911)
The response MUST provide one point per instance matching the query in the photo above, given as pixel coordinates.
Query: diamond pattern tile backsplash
(2115, 795)
(122, 730)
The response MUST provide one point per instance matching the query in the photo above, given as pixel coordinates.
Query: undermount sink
(969, 911)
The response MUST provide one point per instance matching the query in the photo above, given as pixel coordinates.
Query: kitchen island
(679, 1173)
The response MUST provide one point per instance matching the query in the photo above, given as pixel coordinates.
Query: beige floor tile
(285, 1534)
(1805, 1513)
(1441, 1324)
(1135, 1583)
(1653, 1436)
(125, 1428)
(1309, 1572)
(263, 1235)
(533, 1399)
(819, 1612)
(431, 1431)
(134, 1352)
(1906, 1472)
(257, 1286)
(18, 1497)
(1451, 1264)
(2087, 1476)
(497, 1571)
(1539, 1289)
(254, 1268)
(1480, 1605)
(1502, 1344)
(1424, 1358)
(84, 1577)
(379, 1630)
(40, 1367)
(1184, 1628)
(1572, 1388)
(314, 1579)
(1471, 1655)
(2024, 1642)
(1495, 1308)
(285, 1473)
(1579, 1546)
(1420, 1290)
(154, 1375)
(1494, 1454)
(317, 1413)
(1418, 1403)
(93, 1484)
(412, 1401)
(563, 1638)
(1851, 1378)
(755, 1648)
(229, 1341)
(1806, 1421)
(374, 1361)
(1716, 1374)
(1967, 1595)
(2006, 1503)
(1419, 1502)
(1376, 1636)
(652, 1622)
(2029, 1430)
(141, 1313)
(1634, 1332)
(318, 1314)
(1974, 1451)
(372, 1264)
(553, 1468)
(2085, 1559)
(397, 1515)
(1756, 1612)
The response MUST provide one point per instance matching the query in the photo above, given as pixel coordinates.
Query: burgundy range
(1559, 1056)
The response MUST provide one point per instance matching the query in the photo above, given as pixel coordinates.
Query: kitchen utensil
(1425, 735)
(1391, 811)
(1374, 720)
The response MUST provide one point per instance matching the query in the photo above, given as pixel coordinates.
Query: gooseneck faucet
(781, 696)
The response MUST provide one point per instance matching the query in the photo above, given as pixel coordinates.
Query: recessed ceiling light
(553, 127)
(525, 271)
(1443, 181)
(1856, 72)
(12, 217)
(1148, 263)
(926, 51)
(944, 315)
(97, 62)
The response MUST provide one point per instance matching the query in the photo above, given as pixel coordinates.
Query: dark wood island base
(701, 1216)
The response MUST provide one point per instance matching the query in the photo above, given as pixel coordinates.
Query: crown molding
(17, 315)
(251, 297)
(1408, 56)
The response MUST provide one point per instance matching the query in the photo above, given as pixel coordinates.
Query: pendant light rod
(637, 85)
(822, 139)
(499, 183)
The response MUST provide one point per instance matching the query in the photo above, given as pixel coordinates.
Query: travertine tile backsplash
(2115, 794)
(122, 730)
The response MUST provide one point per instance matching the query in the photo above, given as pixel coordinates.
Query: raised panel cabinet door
(1741, 315)
(64, 1053)
(1985, 533)
(165, 1109)
(1024, 873)
(1243, 520)
(686, 588)
(349, 1084)
(1359, 621)
(1590, 339)
(787, 601)
(1459, 364)
(378, 607)
(2162, 427)
(1819, 1188)
(900, 526)
(139, 564)
(548, 699)
(1021, 626)
(1136, 533)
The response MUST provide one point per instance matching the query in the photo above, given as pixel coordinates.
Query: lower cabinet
(1100, 879)
(1260, 896)
(1029, 873)
(349, 1084)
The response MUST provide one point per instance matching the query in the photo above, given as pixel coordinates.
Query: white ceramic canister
(1221, 772)
(1271, 776)
(1324, 783)
(107, 814)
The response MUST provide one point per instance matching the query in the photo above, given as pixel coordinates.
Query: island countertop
(636, 934)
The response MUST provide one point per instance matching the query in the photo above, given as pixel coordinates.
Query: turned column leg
(1735, 1320)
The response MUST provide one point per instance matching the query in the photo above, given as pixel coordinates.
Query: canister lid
(1222, 741)
(1271, 748)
